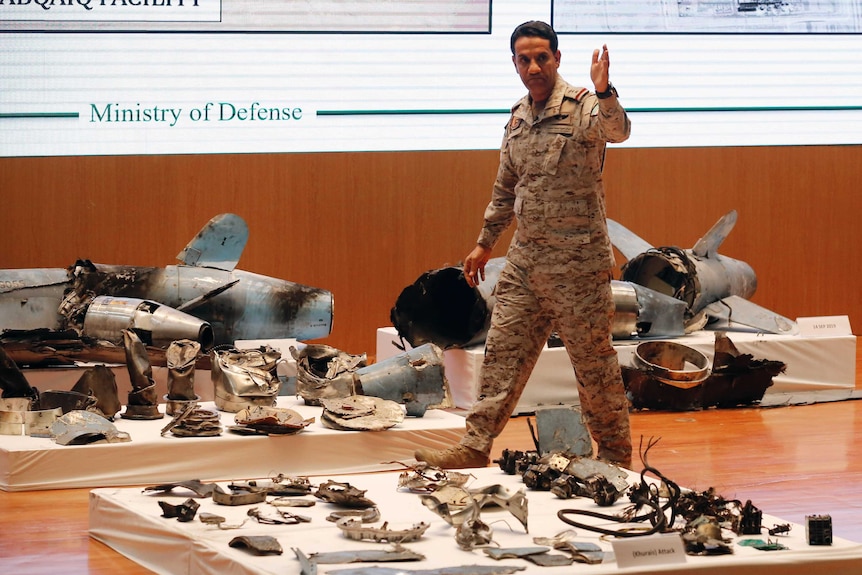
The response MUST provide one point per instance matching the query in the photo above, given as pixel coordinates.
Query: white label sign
(649, 550)
(831, 325)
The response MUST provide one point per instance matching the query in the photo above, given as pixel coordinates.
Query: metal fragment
(343, 494)
(143, 402)
(218, 521)
(424, 478)
(513, 552)
(355, 529)
(85, 427)
(245, 378)
(194, 485)
(271, 420)
(361, 413)
(278, 485)
(232, 498)
(324, 372)
(184, 512)
(100, 383)
(369, 515)
(550, 559)
(415, 378)
(257, 544)
(396, 553)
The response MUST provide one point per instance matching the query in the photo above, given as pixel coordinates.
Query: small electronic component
(818, 529)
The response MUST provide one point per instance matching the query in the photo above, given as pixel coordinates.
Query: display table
(30, 463)
(131, 522)
(814, 364)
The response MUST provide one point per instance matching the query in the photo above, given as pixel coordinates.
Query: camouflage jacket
(550, 179)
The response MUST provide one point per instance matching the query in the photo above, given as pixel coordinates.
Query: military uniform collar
(562, 90)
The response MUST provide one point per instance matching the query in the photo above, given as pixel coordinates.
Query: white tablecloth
(30, 463)
(814, 364)
(131, 522)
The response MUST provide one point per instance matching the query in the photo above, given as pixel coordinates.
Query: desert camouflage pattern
(558, 269)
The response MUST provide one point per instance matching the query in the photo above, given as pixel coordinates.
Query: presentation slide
(122, 77)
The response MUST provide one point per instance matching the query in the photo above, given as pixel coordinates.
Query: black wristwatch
(609, 91)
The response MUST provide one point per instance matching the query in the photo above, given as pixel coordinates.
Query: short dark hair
(535, 29)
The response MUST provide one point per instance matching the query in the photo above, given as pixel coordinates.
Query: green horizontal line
(39, 115)
(633, 110)
(751, 109)
(406, 112)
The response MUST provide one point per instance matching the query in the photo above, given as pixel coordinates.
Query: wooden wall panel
(365, 225)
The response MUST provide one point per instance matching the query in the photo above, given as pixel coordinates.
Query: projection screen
(117, 77)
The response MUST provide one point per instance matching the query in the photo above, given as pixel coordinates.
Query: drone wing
(219, 244)
(626, 241)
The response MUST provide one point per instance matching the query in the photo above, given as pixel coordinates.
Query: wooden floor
(789, 461)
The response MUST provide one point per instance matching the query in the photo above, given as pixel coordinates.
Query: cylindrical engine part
(672, 363)
(154, 323)
(440, 308)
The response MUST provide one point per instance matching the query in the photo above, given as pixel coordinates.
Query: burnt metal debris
(580, 551)
(279, 485)
(561, 429)
(219, 521)
(143, 401)
(457, 504)
(99, 382)
(85, 427)
(181, 358)
(233, 497)
(344, 495)
(357, 530)
(734, 379)
(367, 515)
(264, 420)
(17, 418)
(244, 378)
(360, 413)
(415, 378)
(278, 517)
(13, 383)
(184, 512)
(324, 372)
(196, 486)
(197, 421)
(396, 553)
(663, 292)
(203, 298)
(257, 544)
(425, 478)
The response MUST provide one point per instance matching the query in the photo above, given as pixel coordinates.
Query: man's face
(536, 65)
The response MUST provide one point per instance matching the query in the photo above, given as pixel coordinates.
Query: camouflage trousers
(529, 307)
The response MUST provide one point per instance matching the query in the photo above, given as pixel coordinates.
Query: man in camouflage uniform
(558, 268)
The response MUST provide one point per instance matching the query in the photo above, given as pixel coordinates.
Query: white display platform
(130, 522)
(813, 364)
(30, 463)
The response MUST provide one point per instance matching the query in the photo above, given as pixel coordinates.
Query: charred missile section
(204, 298)
(440, 308)
(235, 304)
(713, 287)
